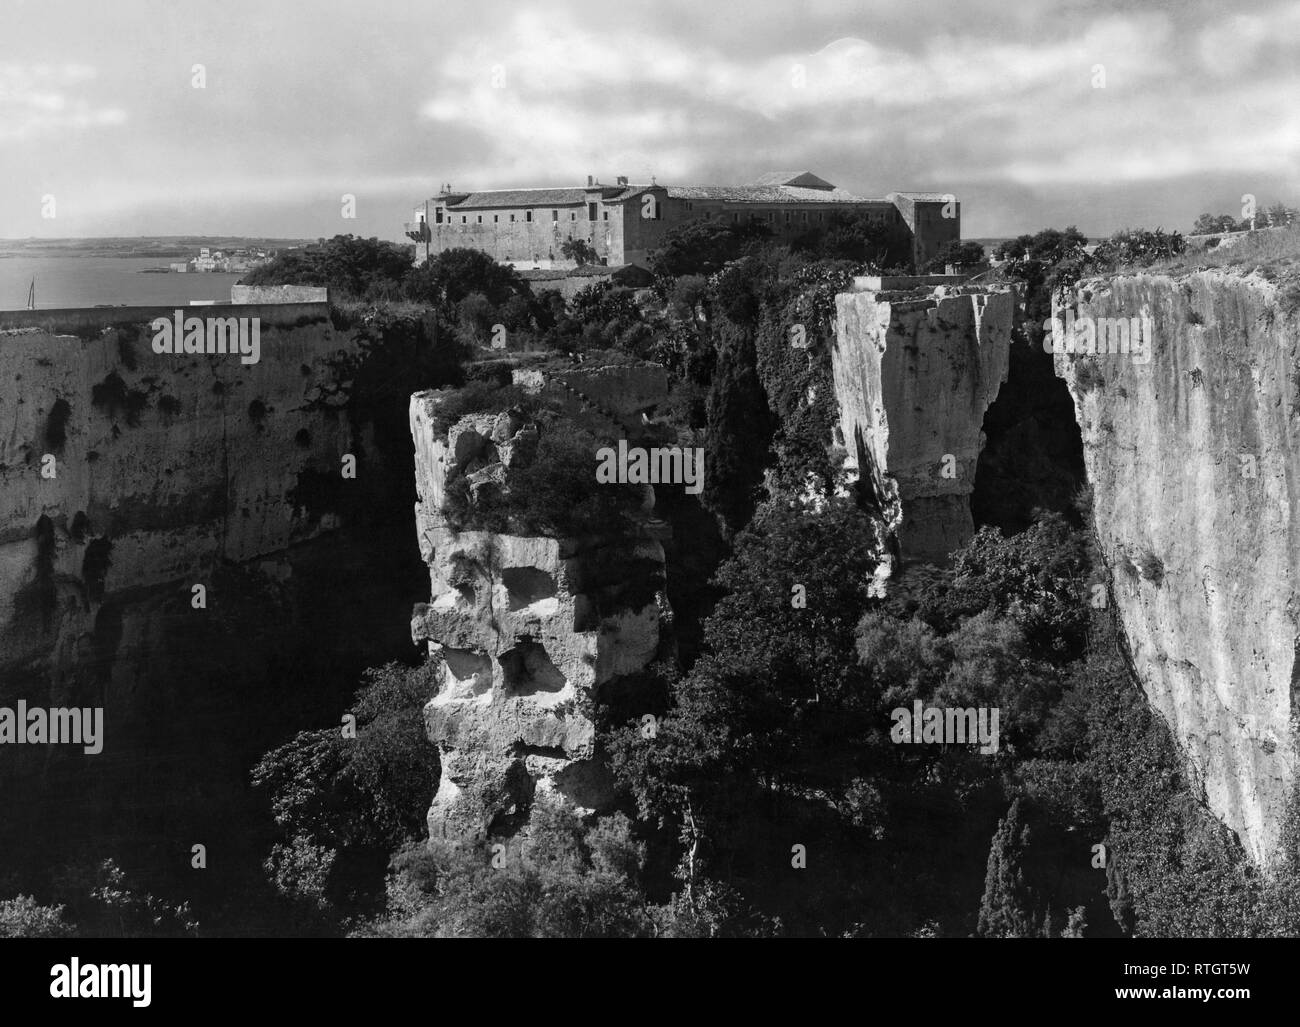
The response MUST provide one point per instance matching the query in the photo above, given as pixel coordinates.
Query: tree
(853, 235)
(343, 803)
(1214, 224)
(1008, 909)
(450, 276)
(1138, 247)
(22, 917)
(704, 246)
(778, 700)
(1280, 215)
(554, 880)
(1043, 262)
(739, 431)
(352, 268)
(1036, 577)
(579, 250)
(957, 253)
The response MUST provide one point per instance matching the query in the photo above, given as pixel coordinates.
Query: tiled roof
(764, 194)
(775, 178)
(795, 178)
(522, 198)
(760, 193)
(923, 197)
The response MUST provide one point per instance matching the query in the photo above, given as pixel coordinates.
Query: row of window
(528, 216)
(873, 217)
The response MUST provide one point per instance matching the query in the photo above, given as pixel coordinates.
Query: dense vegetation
(773, 797)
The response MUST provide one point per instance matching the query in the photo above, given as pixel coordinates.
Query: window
(735, 218)
(606, 215)
(591, 212)
(464, 219)
(787, 217)
(803, 217)
(437, 215)
(771, 215)
(573, 216)
(555, 215)
(480, 219)
(495, 218)
(512, 217)
(528, 216)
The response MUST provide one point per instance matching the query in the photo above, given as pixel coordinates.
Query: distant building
(624, 222)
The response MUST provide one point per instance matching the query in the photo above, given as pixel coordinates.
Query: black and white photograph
(716, 472)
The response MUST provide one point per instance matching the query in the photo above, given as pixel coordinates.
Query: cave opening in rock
(1033, 456)
(528, 669)
(527, 585)
(469, 666)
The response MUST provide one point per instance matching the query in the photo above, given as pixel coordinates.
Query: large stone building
(624, 222)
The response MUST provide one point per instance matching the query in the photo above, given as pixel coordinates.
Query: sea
(105, 281)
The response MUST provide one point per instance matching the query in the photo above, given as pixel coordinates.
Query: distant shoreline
(141, 247)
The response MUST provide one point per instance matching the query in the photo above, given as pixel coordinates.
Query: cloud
(37, 99)
(994, 102)
(555, 91)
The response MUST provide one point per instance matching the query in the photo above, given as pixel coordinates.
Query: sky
(136, 117)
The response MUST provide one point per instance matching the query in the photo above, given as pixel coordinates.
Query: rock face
(122, 469)
(1194, 462)
(914, 372)
(529, 629)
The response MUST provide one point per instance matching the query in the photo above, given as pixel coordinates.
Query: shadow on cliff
(1033, 456)
(192, 697)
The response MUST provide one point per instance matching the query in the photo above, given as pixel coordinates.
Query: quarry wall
(122, 469)
(1194, 462)
(914, 372)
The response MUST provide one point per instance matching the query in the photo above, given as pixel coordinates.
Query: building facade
(624, 222)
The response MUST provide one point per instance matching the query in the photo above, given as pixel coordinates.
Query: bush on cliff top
(556, 494)
(351, 267)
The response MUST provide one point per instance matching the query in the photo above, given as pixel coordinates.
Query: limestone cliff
(1192, 456)
(122, 469)
(914, 370)
(529, 628)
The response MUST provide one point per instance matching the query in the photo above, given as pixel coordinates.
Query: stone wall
(279, 294)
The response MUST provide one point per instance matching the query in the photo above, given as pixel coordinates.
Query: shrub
(22, 917)
(1150, 566)
(555, 881)
(556, 494)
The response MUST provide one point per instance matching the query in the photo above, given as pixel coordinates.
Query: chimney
(589, 181)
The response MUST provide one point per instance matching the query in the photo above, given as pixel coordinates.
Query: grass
(1275, 249)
